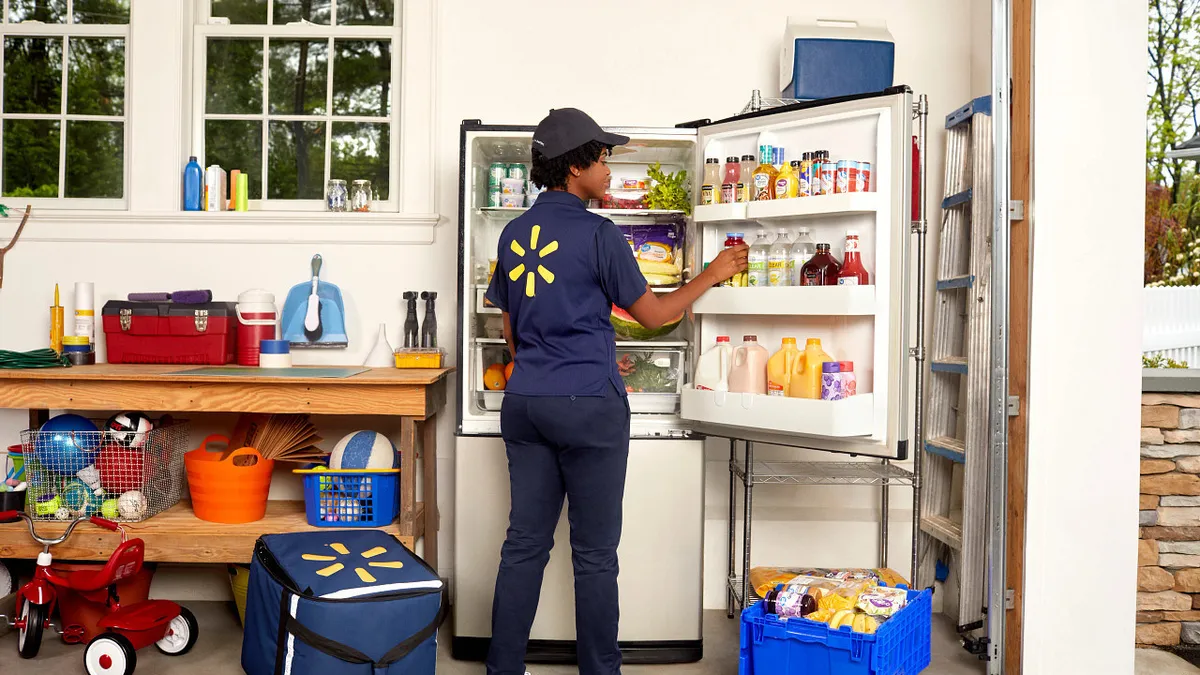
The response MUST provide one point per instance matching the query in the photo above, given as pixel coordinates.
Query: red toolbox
(166, 332)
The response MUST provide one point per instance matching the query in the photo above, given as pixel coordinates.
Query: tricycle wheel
(110, 654)
(29, 638)
(181, 634)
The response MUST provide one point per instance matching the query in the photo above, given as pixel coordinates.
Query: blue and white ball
(364, 450)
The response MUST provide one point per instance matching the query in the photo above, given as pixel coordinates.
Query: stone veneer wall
(1168, 599)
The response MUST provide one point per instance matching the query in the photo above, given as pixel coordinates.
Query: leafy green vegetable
(642, 375)
(670, 190)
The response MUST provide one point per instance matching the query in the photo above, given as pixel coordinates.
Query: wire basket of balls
(126, 468)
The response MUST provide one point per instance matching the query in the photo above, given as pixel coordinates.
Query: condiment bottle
(822, 270)
(852, 273)
(764, 175)
(747, 190)
(710, 189)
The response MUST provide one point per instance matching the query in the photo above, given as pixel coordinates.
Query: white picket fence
(1171, 323)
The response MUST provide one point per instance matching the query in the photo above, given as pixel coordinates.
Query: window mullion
(62, 122)
(270, 12)
(266, 77)
(2, 71)
(329, 113)
(70, 12)
(333, 12)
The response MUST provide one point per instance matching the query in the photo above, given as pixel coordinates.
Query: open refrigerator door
(494, 188)
(866, 324)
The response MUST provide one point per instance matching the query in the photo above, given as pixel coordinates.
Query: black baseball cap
(565, 129)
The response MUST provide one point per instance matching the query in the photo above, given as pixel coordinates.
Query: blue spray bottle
(193, 186)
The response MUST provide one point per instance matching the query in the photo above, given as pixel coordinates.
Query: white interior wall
(510, 63)
(1084, 417)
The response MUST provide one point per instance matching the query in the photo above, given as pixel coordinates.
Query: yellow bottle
(787, 183)
(763, 178)
(806, 372)
(779, 367)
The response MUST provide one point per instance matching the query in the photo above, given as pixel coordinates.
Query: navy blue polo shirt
(559, 271)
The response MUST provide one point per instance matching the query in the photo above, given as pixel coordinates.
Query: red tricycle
(126, 629)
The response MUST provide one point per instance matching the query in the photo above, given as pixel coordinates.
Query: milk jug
(712, 369)
(749, 372)
(779, 368)
(806, 372)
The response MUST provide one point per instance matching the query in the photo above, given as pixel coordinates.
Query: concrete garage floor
(218, 652)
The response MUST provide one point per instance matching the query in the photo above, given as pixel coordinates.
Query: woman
(565, 418)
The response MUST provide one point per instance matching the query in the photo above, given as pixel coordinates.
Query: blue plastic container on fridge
(774, 646)
(823, 58)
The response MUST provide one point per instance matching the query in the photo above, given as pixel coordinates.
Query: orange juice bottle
(779, 367)
(806, 372)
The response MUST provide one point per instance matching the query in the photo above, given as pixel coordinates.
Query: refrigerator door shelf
(789, 301)
(849, 417)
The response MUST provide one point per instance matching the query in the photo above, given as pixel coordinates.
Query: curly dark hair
(550, 173)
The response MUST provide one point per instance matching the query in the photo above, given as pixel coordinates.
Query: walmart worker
(565, 418)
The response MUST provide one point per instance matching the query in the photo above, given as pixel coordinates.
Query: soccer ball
(129, 429)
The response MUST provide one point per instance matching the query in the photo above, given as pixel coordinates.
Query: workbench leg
(37, 418)
(408, 478)
(429, 457)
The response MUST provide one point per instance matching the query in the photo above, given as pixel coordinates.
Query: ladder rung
(957, 200)
(950, 448)
(950, 364)
(983, 105)
(944, 530)
(965, 281)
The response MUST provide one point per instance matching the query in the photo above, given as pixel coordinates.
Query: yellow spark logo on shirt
(530, 279)
(362, 573)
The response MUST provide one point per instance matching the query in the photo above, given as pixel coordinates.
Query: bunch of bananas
(856, 621)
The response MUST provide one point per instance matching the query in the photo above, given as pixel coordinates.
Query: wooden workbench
(415, 396)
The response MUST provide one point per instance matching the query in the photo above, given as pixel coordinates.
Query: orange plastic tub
(228, 487)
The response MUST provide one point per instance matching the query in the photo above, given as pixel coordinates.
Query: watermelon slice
(628, 328)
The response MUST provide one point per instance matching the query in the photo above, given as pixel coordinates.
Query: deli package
(658, 248)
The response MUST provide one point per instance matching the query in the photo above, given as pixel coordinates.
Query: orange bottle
(806, 372)
(779, 367)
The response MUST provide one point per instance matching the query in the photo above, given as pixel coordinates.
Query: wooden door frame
(1020, 187)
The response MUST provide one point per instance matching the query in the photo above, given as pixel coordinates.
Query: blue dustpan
(332, 314)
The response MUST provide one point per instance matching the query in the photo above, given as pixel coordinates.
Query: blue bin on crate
(351, 498)
(774, 646)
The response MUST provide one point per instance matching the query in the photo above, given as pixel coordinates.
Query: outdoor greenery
(1172, 219)
(95, 165)
(297, 75)
(1157, 361)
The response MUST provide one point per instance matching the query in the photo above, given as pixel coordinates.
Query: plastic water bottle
(777, 260)
(803, 249)
(756, 266)
(193, 186)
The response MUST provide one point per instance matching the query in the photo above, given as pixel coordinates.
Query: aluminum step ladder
(956, 422)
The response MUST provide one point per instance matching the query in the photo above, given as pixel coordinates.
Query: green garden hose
(38, 358)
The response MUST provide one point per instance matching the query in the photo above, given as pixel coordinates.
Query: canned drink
(842, 177)
(494, 197)
(518, 171)
(497, 172)
(864, 176)
(727, 193)
(852, 182)
(827, 172)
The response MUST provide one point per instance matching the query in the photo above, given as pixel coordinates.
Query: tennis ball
(109, 509)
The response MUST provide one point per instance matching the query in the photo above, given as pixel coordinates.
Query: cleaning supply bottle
(779, 367)
(429, 325)
(806, 372)
(193, 186)
(748, 375)
(712, 369)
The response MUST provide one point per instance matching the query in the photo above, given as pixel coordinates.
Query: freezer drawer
(661, 552)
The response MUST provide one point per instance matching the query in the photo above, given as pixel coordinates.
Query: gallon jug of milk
(712, 369)
(748, 375)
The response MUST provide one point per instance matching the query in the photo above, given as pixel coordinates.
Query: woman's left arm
(508, 338)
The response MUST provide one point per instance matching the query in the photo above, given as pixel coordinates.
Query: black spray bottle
(429, 325)
(411, 331)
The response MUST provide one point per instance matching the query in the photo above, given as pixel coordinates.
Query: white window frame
(69, 30)
(203, 31)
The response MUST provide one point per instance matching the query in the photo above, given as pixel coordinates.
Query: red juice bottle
(822, 270)
(741, 279)
(852, 273)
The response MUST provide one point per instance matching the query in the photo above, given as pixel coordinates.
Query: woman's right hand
(728, 262)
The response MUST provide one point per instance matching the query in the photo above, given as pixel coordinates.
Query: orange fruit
(508, 370)
(493, 378)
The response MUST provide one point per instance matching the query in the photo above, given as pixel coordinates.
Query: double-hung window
(63, 132)
(298, 92)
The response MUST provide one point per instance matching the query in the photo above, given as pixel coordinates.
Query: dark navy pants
(577, 447)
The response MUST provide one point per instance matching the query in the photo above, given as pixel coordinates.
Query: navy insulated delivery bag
(334, 602)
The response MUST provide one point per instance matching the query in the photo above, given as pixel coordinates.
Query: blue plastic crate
(362, 498)
(774, 646)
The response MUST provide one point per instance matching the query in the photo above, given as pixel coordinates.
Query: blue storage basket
(358, 498)
(774, 646)
(829, 58)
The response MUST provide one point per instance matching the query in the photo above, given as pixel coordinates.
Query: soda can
(496, 173)
(727, 193)
(852, 183)
(494, 197)
(842, 178)
(518, 171)
(864, 176)
(827, 171)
